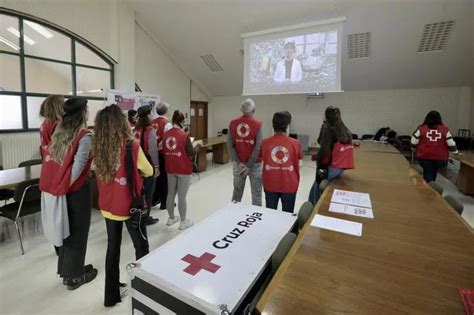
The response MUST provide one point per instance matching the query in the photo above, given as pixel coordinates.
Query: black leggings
(72, 254)
(112, 259)
(161, 188)
(430, 168)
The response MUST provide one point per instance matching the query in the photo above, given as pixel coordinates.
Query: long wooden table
(377, 146)
(465, 181)
(12, 177)
(412, 257)
(219, 152)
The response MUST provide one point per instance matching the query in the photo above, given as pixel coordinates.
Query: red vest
(56, 178)
(281, 170)
(146, 136)
(432, 143)
(177, 160)
(114, 196)
(46, 133)
(342, 156)
(244, 131)
(159, 124)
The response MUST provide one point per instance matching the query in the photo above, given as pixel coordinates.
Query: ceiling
(189, 29)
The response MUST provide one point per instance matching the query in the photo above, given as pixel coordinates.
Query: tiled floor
(29, 285)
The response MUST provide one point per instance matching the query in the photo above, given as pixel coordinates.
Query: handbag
(138, 212)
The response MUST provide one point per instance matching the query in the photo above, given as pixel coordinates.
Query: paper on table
(351, 198)
(338, 225)
(351, 210)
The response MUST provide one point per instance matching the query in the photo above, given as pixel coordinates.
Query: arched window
(38, 59)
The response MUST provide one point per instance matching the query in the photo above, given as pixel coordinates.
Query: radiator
(18, 147)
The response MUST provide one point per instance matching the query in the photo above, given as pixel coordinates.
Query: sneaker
(185, 224)
(74, 283)
(86, 269)
(172, 221)
(151, 220)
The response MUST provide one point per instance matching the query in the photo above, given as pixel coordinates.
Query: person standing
(52, 111)
(146, 136)
(432, 141)
(289, 68)
(178, 152)
(243, 142)
(336, 152)
(66, 197)
(112, 141)
(282, 158)
(161, 125)
(132, 118)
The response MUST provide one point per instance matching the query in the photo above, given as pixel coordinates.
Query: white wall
(362, 111)
(197, 94)
(155, 72)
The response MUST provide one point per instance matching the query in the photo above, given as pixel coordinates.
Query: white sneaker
(172, 221)
(185, 224)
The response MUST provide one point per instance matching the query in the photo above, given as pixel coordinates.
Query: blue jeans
(314, 193)
(287, 200)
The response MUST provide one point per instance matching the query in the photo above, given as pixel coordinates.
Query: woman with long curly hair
(66, 193)
(112, 140)
(52, 111)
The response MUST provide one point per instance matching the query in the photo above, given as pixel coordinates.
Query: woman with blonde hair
(66, 193)
(52, 111)
(113, 147)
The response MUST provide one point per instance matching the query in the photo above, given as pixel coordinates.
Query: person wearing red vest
(52, 111)
(111, 137)
(178, 152)
(132, 117)
(432, 142)
(161, 125)
(66, 201)
(336, 151)
(145, 134)
(243, 142)
(282, 158)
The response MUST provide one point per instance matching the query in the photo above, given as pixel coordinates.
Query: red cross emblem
(434, 135)
(197, 264)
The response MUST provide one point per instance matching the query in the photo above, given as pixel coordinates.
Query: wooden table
(373, 146)
(465, 181)
(12, 177)
(412, 257)
(220, 154)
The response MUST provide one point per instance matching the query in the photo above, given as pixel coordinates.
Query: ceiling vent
(212, 63)
(435, 36)
(358, 45)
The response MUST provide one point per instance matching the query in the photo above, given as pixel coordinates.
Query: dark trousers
(161, 187)
(430, 168)
(72, 254)
(149, 188)
(287, 200)
(112, 259)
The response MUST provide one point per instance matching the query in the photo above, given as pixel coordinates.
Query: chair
(225, 131)
(355, 136)
(436, 187)
(30, 163)
(367, 137)
(282, 250)
(304, 213)
(454, 203)
(6, 194)
(464, 133)
(417, 168)
(323, 185)
(27, 200)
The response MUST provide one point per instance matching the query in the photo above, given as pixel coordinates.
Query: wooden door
(198, 120)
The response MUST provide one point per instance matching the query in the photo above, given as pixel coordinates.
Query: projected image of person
(289, 68)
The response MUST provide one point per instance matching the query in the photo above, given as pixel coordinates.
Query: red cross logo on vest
(197, 264)
(243, 130)
(434, 135)
(171, 143)
(280, 154)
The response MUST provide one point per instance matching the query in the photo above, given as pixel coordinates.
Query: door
(198, 120)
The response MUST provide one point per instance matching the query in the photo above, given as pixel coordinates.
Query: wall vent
(358, 45)
(435, 36)
(211, 62)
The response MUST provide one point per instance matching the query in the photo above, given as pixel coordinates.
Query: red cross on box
(434, 135)
(197, 264)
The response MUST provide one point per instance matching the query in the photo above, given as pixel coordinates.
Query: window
(36, 60)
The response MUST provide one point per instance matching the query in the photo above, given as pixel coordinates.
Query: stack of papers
(352, 203)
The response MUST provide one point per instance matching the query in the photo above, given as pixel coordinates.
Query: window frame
(23, 93)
